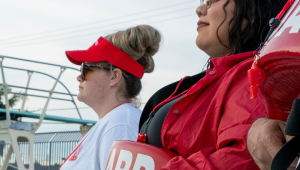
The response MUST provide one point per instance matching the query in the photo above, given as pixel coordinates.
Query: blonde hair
(140, 43)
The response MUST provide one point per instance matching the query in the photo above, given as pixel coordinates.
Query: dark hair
(257, 14)
(133, 85)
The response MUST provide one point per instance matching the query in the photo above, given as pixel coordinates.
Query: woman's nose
(79, 78)
(201, 10)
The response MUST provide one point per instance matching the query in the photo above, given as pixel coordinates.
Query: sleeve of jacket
(230, 151)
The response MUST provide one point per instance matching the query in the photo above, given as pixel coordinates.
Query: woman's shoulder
(123, 115)
(129, 109)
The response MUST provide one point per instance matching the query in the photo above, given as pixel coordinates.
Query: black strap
(292, 126)
(291, 149)
(286, 154)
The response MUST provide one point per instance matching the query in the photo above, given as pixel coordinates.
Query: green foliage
(12, 101)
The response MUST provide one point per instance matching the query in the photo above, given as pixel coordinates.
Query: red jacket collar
(231, 60)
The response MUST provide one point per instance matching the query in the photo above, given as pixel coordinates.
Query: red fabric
(103, 50)
(282, 82)
(216, 114)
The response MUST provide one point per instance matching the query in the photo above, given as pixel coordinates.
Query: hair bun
(140, 42)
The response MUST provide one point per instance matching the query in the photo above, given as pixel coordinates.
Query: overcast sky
(43, 30)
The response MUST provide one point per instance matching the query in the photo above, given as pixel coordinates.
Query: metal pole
(40, 90)
(50, 142)
(24, 97)
(37, 125)
(21, 59)
(49, 156)
(7, 121)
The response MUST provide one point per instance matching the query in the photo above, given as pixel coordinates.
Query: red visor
(103, 50)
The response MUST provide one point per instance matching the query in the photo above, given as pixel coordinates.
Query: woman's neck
(105, 106)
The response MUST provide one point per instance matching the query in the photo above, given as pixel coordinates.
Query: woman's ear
(116, 75)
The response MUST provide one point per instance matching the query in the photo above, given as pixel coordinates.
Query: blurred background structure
(20, 134)
(50, 150)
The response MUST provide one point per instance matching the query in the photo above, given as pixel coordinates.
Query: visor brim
(80, 56)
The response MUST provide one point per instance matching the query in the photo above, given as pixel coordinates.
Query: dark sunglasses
(84, 69)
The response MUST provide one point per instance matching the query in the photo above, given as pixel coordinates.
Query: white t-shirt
(91, 153)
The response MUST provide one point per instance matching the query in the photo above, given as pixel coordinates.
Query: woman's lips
(201, 24)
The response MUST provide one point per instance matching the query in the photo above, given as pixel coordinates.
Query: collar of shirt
(230, 60)
(218, 67)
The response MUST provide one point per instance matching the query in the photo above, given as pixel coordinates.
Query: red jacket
(208, 127)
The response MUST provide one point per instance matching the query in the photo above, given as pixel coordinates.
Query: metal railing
(50, 150)
(30, 72)
(13, 129)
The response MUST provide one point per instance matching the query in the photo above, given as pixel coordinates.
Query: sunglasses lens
(82, 71)
(202, 2)
(87, 68)
(206, 2)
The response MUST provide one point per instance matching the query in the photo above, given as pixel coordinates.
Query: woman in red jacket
(205, 118)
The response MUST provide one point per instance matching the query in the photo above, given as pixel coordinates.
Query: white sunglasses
(207, 2)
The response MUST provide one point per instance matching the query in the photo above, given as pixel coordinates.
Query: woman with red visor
(205, 118)
(110, 80)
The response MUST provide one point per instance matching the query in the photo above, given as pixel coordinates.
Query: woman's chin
(79, 98)
(201, 43)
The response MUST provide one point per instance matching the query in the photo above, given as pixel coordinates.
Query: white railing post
(7, 157)
(5, 87)
(37, 125)
(27, 85)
